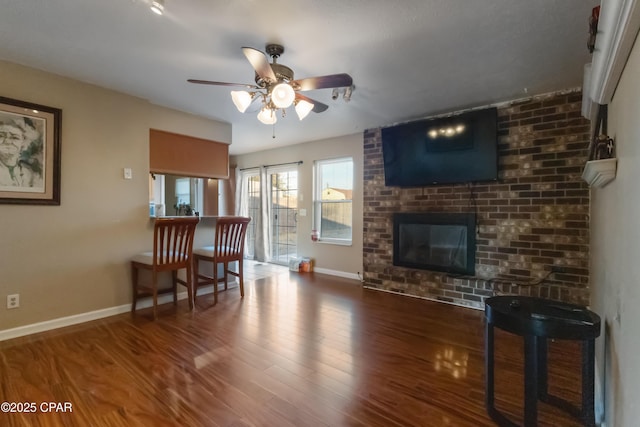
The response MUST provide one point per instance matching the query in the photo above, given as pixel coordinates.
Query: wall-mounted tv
(448, 150)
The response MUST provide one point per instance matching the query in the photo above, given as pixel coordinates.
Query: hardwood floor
(298, 350)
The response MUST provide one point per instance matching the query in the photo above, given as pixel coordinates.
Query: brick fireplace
(532, 223)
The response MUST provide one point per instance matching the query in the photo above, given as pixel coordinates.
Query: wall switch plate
(128, 174)
(13, 301)
(303, 212)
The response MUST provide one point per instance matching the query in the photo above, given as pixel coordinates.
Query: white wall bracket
(598, 173)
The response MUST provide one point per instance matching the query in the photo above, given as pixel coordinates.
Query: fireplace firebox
(435, 241)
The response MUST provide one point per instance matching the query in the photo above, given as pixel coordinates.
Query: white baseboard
(337, 273)
(61, 322)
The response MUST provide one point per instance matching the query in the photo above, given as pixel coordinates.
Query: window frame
(318, 202)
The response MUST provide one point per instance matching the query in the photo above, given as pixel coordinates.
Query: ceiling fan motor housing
(282, 72)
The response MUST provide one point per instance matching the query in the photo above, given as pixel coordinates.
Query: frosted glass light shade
(282, 95)
(303, 108)
(241, 99)
(267, 116)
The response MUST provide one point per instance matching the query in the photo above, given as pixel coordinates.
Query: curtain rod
(299, 162)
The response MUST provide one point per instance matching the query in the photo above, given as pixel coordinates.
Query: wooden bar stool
(172, 251)
(228, 247)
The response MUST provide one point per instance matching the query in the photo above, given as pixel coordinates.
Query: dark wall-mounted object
(456, 149)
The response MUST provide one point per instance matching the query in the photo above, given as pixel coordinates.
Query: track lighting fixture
(347, 93)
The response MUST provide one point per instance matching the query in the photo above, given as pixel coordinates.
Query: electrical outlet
(13, 301)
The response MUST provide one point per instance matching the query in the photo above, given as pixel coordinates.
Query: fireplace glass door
(435, 241)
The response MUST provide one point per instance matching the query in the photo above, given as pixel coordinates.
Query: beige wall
(615, 255)
(73, 258)
(187, 124)
(343, 259)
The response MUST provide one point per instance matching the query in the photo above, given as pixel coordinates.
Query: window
(183, 191)
(170, 195)
(189, 196)
(333, 196)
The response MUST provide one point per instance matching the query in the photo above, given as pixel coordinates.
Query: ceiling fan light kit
(303, 108)
(278, 89)
(282, 95)
(267, 116)
(241, 99)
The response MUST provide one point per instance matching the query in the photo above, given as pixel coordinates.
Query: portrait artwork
(29, 153)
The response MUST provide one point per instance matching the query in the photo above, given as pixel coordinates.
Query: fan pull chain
(274, 131)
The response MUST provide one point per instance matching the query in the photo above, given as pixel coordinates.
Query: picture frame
(29, 153)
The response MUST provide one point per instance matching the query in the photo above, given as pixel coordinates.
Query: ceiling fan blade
(323, 82)
(260, 63)
(318, 107)
(209, 82)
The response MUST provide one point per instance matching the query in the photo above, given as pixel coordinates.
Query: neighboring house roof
(331, 193)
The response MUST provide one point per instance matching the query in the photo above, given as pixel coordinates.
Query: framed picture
(29, 153)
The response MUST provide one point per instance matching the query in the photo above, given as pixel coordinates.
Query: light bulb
(347, 93)
(241, 99)
(303, 108)
(282, 95)
(157, 6)
(267, 116)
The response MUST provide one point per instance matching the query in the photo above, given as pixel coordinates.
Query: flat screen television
(456, 149)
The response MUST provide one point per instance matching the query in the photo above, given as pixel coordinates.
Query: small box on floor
(306, 265)
(294, 264)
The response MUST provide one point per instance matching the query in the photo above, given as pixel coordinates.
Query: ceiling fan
(277, 89)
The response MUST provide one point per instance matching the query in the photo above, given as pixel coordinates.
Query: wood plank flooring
(298, 350)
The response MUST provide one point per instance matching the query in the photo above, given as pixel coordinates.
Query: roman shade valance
(176, 154)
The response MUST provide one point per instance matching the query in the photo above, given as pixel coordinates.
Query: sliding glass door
(269, 195)
(283, 184)
(252, 182)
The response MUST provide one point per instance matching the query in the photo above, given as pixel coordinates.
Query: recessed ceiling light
(157, 6)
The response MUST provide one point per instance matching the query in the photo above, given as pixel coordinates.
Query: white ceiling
(408, 58)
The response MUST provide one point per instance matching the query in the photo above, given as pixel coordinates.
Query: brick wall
(532, 220)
